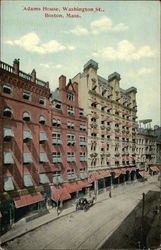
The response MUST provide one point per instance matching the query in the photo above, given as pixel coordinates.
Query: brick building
(25, 128)
(69, 139)
(43, 145)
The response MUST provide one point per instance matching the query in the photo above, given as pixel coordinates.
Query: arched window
(42, 119)
(26, 116)
(7, 112)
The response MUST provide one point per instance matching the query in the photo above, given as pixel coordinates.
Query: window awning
(28, 199)
(7, 132)
(43, 157)
(26, 115)
(42, 119)
(27, 135)
(44, 178)
(143, 173)
(73, 187)
(27, 158)
(28, 180)
(154, 169)
(8, 158)
(8, 183)
(43, 136)
(59, 193)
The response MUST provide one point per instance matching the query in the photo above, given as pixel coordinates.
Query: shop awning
(43, 178)
(83, 183)
(28, 199)
(59, 193)
(143, 173)
(7, 132)
(154, 169)
(28, 180)
(8, 183)
(73, 187)
(8, 158)
(27, 158)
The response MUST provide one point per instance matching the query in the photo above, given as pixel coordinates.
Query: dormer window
(57, 104)
(26, 96)
(7, 89)
(42, 101)
(70, 96)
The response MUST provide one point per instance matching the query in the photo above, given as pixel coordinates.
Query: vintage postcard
(80, 147)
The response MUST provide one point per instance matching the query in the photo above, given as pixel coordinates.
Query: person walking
(110, 195)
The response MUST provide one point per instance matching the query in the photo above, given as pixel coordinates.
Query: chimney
(62, 82)
(33, 76)
(16, 66)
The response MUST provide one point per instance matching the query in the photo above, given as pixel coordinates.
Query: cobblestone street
(87, 230)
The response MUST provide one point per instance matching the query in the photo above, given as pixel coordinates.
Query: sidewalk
(22, 227)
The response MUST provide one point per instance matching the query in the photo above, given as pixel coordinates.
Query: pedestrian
(110, 195)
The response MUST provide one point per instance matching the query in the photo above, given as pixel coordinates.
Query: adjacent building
(146, 148)
(111, 113)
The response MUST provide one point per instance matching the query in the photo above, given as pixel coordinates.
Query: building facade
(146, 149)
(111, 113)
(69, 138)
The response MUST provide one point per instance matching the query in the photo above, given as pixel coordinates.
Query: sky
(121, 36)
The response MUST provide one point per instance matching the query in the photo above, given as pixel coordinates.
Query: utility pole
(142, 222)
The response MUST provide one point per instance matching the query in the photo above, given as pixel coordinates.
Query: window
(70, 96)
(56, 156)
(71, 175)
(57, 178)
(81, 112)
(82, 140)
(42, 101)
(26, 96)
(42, 119)
(70, 157)
(26, 116)
(44, 178)
(28, 180)
(8, 183)
(27, 136)
(7, 112)
(27, 158)
(43, 157)
(70, 125)
(57, 104)
(56, 138)
(7, 89)
(70, 110)
(82, 127)
(8, 158)
(70, 140)
(43, 138)
(82, 156)
(83, 174)
(7, 134)
(56, 123)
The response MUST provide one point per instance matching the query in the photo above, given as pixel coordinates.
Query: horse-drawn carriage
(84, 204)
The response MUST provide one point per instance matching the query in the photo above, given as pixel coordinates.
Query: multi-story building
(146, 149)
(69, 138)
(157, 132)
(111, 113)
(25, 125)
(43, 145)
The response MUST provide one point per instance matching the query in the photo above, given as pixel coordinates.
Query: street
(87, 230)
